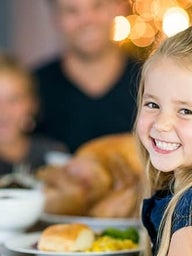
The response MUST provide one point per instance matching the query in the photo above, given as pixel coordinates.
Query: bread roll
(66, 238)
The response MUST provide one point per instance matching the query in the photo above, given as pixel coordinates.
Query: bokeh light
(184, 3)
(121, 28)
(142, 33)
(143, 8)
(159, 7)
(175, 20)
(150, 21)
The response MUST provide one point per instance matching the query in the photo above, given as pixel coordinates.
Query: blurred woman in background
(18, 107)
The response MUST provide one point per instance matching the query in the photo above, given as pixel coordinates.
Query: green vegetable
(129, 233)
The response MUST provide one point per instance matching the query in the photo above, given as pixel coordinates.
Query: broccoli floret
(129, 233)
(112, 232)
(132, 234)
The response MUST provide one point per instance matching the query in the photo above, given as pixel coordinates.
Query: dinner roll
(66, 238)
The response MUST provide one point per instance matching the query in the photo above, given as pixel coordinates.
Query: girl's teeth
(166, 146)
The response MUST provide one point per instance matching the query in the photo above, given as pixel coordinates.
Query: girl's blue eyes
(185, 111)
(151, 105)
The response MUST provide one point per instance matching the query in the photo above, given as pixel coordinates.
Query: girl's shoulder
(183, 212)
(186, 198)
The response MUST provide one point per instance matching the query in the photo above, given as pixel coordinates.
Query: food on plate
(108, 244)
(129, 233)
(76, 237)
(102, 179)
(66, 238)
(113, 239)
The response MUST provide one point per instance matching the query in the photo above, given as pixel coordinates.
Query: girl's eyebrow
(147, 95)
(188, 103)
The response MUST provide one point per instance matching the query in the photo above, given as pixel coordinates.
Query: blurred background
(26, 29)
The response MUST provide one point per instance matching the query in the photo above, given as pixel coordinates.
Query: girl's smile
(165, 119)
(164, 147)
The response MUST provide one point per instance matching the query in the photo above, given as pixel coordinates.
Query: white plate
(8, 234)
(24, 244)
(95, 223)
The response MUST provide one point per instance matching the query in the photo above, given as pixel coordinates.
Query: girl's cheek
(141, 127)
(140, 122)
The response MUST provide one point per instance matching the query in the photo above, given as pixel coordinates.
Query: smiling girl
(164, 130)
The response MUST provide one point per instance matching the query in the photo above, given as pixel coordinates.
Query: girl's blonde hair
(179, 49)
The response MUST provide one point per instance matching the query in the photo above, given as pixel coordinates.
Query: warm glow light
(121, 29)
(142, 33)
(152, 20)
(184, 3)
(175, 20)
(143, 8)
(159, 7)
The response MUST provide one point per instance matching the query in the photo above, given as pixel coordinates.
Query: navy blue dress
(154, 208)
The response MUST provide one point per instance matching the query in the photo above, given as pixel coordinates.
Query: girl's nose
(164, 122)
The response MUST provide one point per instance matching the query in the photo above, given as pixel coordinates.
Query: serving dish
(20, 208)
(26, 244)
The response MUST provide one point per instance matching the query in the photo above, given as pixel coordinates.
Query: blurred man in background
(90, 90)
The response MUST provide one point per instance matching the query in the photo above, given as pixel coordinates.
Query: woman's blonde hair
(12, 66)
(9, 63)
(179, 49)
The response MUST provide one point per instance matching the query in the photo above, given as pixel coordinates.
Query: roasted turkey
(102, 179)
